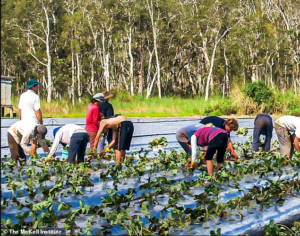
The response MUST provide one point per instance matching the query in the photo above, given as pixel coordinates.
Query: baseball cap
(99, 97)
(42, 130)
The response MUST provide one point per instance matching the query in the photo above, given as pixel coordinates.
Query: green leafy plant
(242, 131)
(162, 141)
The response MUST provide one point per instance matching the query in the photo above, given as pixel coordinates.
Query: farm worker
(216, 139)
(93, 117)
(288, 132)
(29, 104)
(75, 136)
(122, 131)
(228, 125)
(184, 134)
(20, 134)
(262, 125)
(107, 111)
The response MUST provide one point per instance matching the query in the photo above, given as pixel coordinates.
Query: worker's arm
(20, 112)
(296, 142)
(231, 149)
(39, 116)
(194, 147)
(33, 146)
(100, 130)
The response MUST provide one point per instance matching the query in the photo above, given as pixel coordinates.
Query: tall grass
(137, 106)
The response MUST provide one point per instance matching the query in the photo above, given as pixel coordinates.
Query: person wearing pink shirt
(93, 117)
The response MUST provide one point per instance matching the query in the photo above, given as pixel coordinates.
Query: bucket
(64, 155)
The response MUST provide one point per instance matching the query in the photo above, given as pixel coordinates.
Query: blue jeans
(78, 145)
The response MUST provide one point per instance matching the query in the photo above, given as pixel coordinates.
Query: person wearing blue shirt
(263, 125)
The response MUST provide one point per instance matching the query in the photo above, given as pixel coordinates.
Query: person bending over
(288, 132)
(20, 134)
(184, 134)
(74, 135)
(216, 139)
(263, 125)
(227, 125)
(122, 132)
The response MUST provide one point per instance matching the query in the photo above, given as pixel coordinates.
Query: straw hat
(107, 95)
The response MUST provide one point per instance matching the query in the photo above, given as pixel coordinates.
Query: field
(153, 193)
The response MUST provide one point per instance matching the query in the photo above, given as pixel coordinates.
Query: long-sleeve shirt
(216, 121)
(23, 132)
(263, 124)
(188, 131)
(64, 135)
(93, 118)
(106, 109)
(202, 137)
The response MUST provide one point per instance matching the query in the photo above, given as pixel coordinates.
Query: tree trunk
(131, 61)
(151, 11)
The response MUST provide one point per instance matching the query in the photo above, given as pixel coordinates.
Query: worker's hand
(105, 150)
(193, 165)
(48, 159)
(234, 155)
(102, 154)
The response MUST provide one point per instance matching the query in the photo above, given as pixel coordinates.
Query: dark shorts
(124, 136)
(219, 145)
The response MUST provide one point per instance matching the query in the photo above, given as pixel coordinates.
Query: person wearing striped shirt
(216, 139)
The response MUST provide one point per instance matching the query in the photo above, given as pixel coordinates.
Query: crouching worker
(263, 124)
(122, 131)
(231, 124)
(216, 139)
(20, 134)
(288, 132)
(74, 135)
(184, 134)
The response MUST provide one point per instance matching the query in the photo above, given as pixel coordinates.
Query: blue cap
(55, 131)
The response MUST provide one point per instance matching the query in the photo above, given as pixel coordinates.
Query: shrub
(259, 93)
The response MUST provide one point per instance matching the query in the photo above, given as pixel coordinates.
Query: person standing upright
(107, 111)
(29, 104)
(263, 124)
(93, 118)
(106, 108)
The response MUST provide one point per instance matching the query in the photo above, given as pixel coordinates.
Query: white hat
(99, 97)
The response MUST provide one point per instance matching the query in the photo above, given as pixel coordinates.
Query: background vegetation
(137, 106)
(199, 50)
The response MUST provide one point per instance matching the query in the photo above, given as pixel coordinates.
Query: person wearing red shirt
(93, 117)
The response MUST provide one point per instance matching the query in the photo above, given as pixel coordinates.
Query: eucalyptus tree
(290, 13)
(36, 28)
(151, 10)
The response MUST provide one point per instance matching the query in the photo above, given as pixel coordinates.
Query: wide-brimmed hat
(31, 83)
(99, 97)
(42, 130)
(107, 95)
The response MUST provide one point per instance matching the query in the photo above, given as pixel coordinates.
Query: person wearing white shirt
(20, 134)
(74, 135)
(29, 104)
(288, 132)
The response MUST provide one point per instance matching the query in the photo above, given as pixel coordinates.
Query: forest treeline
(150, 47)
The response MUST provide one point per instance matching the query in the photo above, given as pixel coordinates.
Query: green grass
(137, 106)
